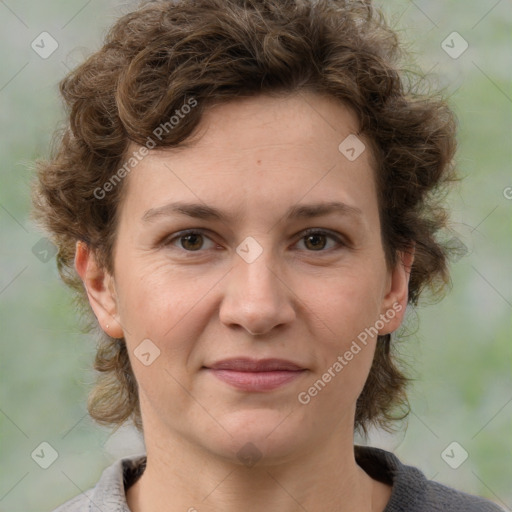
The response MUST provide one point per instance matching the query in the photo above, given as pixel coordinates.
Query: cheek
(347, 311)
(154, 294)
(350, 303)
(172, 308)
(344, 354)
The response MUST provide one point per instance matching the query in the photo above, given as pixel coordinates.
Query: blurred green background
(460, 357)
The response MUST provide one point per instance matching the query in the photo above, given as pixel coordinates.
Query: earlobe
(100, 290)
(395, 301)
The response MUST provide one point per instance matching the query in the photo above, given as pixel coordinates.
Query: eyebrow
(201, 211)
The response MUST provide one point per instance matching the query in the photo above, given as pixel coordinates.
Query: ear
(100, 290)
(397, 293)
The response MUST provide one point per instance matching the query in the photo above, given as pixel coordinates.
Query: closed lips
(252, 365)
(250, 375)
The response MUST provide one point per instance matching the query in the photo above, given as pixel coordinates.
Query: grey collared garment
(412, 491)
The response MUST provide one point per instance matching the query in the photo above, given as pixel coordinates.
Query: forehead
(259, 153)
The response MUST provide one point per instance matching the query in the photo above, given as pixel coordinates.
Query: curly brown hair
(155, 59)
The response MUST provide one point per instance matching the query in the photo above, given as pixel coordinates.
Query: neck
(178, 477)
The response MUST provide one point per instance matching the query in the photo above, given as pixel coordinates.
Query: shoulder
(412, 491)
(79, 503)
(108, 495)
(449, 499)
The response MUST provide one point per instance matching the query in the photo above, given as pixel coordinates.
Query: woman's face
(250, 284)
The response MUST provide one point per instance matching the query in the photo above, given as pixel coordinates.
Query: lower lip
(256, 381)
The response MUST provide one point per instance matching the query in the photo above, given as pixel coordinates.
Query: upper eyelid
(340, 239)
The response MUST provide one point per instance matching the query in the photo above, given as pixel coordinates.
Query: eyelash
(308, 232)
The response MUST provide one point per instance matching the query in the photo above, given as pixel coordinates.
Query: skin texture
(302, 299)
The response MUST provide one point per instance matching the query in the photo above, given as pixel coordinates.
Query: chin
(261, 436)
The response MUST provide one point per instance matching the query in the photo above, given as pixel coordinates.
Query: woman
(246, 198)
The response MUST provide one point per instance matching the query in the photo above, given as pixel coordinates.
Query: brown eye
(316, 240)
(189, 241)
(192, 242)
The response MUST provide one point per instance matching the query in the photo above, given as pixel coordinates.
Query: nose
(256, 298)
